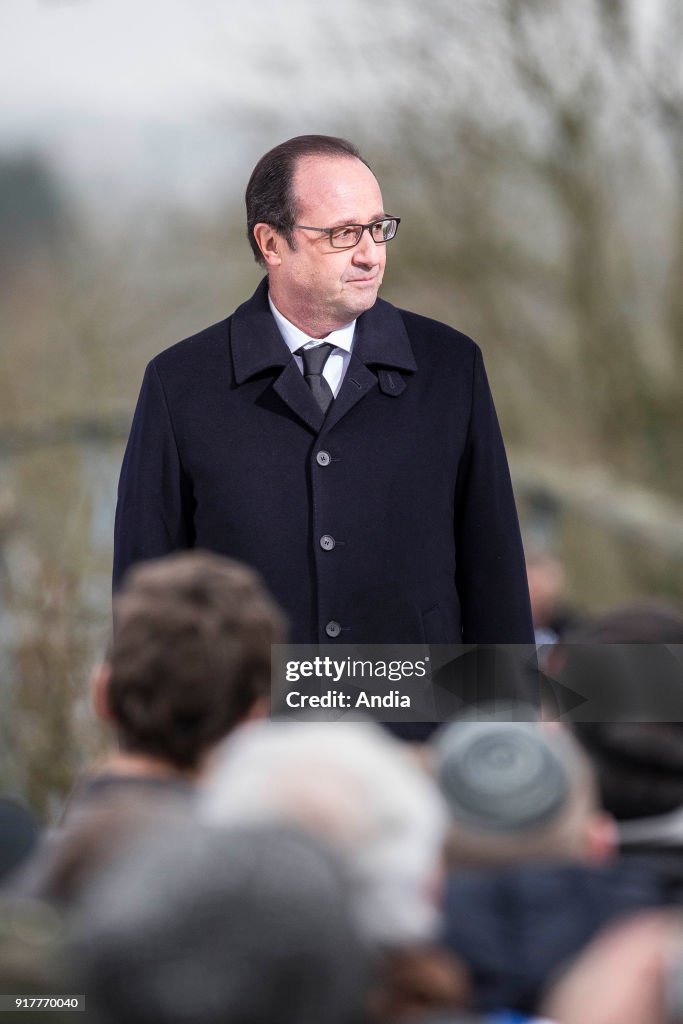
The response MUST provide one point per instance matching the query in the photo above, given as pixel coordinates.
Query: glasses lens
(383, 230)
(346, 237)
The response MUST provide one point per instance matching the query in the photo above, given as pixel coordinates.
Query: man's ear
(602, 838)
(99, 690)
(269, 242)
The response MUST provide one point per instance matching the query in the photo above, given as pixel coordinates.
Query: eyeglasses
(348, 235)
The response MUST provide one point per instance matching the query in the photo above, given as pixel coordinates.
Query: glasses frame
(363, 227)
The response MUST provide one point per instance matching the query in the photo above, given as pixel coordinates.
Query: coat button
(327, 542)
(333, 628)
(323, 458)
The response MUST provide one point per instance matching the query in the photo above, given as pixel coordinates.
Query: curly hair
(190, 653)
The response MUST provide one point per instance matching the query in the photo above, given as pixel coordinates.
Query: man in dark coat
(370, 488)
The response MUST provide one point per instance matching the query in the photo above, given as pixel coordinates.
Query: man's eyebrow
(347, 220)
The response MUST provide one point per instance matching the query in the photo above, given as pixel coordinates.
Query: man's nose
(366, 250)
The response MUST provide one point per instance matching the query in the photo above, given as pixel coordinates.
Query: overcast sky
(124, 93)
(108, 85)
(122, 57)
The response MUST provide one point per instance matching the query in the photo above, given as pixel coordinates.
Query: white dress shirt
(338, 360)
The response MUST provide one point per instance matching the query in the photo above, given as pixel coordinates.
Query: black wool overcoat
(389, 520)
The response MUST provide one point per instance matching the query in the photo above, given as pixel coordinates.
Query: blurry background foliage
(535, 154)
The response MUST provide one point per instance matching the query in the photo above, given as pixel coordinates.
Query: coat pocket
(441, 623)
(433, 625)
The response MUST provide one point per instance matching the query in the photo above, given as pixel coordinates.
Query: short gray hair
(356, 787)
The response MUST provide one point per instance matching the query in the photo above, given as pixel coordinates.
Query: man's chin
(360, 298)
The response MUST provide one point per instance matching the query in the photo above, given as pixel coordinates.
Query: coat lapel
(381, 349)
(297, 396)
(257, 346)
(381, 354)
(358, 380)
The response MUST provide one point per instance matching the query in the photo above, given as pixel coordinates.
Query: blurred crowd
(220, 866)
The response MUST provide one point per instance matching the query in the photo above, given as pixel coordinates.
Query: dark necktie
(314, 360)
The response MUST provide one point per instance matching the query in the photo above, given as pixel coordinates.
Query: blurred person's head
(639, 762)
(632, 973)
(210, 925)
(640, 622)
(190, 656)
(519, 792)
(358, 789)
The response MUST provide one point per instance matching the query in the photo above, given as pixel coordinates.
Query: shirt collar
(381, 338)
(294, 338)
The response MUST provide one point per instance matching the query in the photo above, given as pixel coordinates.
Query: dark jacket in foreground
(392, 520)
(516, 928)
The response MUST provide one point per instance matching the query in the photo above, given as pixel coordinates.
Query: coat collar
(381, 338)
(257, 344)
